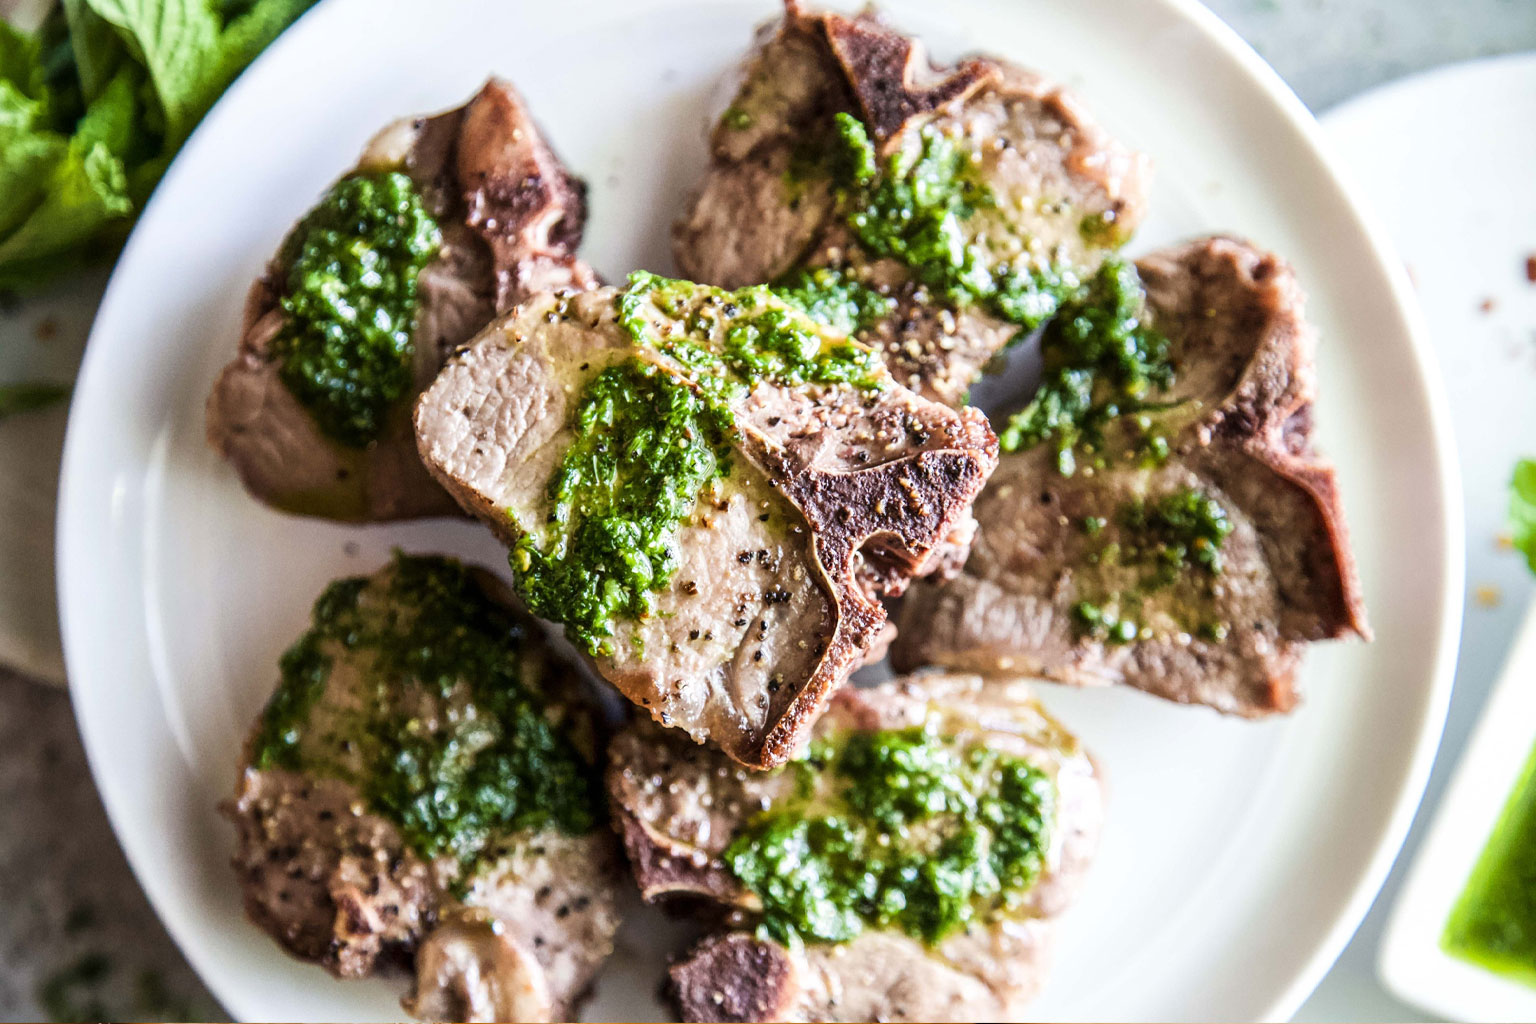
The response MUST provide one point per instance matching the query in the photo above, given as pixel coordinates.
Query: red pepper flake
(1530, 268)
(1488, 305)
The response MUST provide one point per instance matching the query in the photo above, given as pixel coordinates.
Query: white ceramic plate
(1469, 252)
(1238, 857)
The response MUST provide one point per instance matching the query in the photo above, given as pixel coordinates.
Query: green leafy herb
(1522, 509)
(93, 107)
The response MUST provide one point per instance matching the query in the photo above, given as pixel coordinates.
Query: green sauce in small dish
(1493, 923)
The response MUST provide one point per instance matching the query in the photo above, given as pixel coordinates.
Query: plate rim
(1405, 803)
(1409, 786)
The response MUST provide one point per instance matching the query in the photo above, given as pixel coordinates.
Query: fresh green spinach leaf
(93, 108)
(94, 45)
(177, 41)
(85, 192)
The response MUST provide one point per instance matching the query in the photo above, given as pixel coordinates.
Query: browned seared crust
(733, 977)
(1245, 359)
(662, 869)
(333, 887)
(511, 217)
(519, 197)
(891, 518)
(883, 69)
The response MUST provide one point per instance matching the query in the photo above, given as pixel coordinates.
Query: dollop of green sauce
(349, 302)
(729, 341)
(1182, 529)
(907, 830)
(649, 438)
(832, 296)
(1493, 922)
(1103, 360)
(494, 758)
(645, 446)
(914, 210)
(1164, 541)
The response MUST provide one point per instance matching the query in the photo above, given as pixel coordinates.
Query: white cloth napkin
(42, 337)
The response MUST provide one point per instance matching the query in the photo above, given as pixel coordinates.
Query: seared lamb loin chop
(422, 790)
(1170, 527)
(906, 868)
(445, 221)
(709, 489)
(944, 211)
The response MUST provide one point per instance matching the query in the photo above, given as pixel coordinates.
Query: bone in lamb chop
(422, 793)
(1161, 520)
(942, 211)
(709, 489)
(909, 867)
(444, 222)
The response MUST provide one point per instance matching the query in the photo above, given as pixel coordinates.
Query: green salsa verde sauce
(1175, 539)
(646, 446)
(833, 296)
(651, 437)
(438, 729)
(1104, 361)
(915, 209)
(1493, 923)
(349, 301)
(898, 829)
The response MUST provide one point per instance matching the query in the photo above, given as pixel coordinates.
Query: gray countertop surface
(78, 939)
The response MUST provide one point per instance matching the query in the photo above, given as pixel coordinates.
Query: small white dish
(1413, 962)
(1464, 217)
